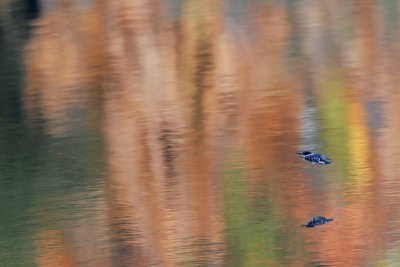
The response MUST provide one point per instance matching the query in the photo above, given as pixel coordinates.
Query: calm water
(171, 141)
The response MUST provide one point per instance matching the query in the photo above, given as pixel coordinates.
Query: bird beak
(299, 153)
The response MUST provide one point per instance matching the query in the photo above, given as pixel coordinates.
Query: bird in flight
(314, 157)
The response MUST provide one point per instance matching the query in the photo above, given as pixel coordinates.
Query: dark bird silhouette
(317, 220)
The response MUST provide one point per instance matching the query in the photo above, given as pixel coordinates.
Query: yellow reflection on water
(360, 176)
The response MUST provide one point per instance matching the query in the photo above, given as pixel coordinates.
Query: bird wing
(318, 218)
(318, 158)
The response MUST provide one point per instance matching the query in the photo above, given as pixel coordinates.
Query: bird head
(304, 153)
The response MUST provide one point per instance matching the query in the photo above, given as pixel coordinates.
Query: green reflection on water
(17, 155)
(255, 231)
(333, 107)
(45, 181)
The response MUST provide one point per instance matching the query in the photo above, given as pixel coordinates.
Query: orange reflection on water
(201, 125)
(52, 250)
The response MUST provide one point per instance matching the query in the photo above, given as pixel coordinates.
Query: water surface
(137, 134)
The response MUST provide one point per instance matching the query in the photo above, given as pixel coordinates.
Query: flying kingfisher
(315, 158)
